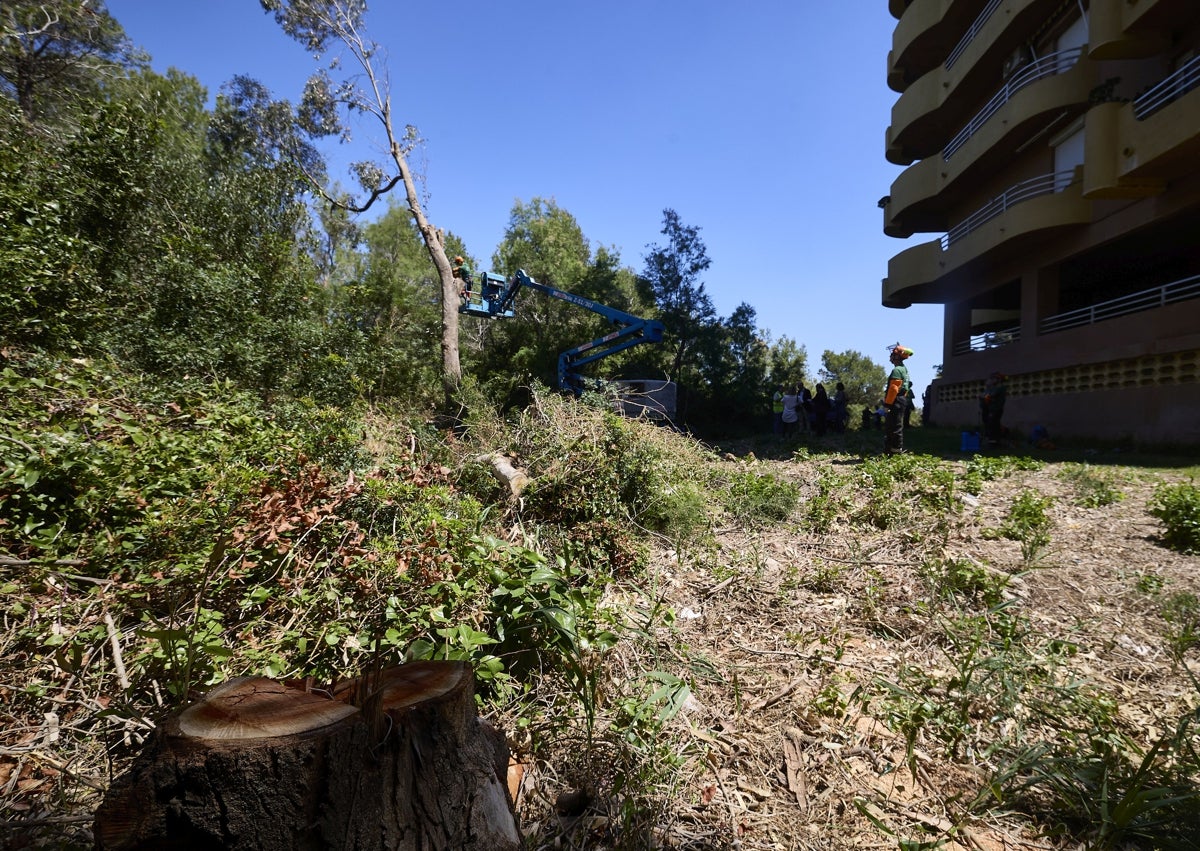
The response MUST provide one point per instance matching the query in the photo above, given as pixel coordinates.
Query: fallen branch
(118, 661)
(505, 473)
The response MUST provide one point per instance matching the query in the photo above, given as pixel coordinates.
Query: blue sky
(761, 123)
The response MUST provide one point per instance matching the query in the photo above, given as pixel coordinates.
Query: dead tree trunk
(261, 764)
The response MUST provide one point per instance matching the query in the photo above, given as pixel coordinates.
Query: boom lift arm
(495, 296)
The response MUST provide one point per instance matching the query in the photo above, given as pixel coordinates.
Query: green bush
(1178, 507)
(761, 498)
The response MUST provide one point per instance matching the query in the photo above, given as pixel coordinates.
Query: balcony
(927, 32)
(1168, 91)
(925, 115)
(1119, 29)
(1175, 292)
(985, 15)
(988, 340)
(1025, 214)
(1132, 149)
(1040, 95)
(1040, 69)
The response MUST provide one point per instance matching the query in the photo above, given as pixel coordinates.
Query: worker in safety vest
(777, 411)
(895, 400)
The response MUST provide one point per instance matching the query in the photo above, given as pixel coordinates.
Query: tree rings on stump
(398, 760)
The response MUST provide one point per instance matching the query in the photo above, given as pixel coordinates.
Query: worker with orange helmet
(895, 400)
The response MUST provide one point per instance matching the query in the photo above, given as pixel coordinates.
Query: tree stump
(262, 764)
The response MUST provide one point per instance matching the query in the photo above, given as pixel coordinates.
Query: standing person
(895, 400)
(777, 411)
(791, 411)
(805, 406)
(821, 408)
(841, 413)
(991, 406)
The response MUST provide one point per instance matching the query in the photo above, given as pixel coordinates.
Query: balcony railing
(1172, 293)
(1045, 184)
(976, 26)
(988, 340)
(1047, 66)
(1169, 89)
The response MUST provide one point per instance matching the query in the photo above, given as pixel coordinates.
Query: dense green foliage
(1178, 507)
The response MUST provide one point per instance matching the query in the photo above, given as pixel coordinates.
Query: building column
(956, 326)
(1039, 299)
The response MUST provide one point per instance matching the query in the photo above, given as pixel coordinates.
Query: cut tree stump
(262, 764)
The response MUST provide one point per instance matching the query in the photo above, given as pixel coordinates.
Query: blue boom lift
(491, 296)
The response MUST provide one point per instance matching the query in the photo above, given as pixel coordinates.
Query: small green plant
(1178, 507)
(963, 578)
(1094, 488)
(830, 701)
(824, 577)
(1149, 583)
(883, 508)
(1028, 523)
(986, 468)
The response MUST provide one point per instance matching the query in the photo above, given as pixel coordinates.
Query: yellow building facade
(1052, 153)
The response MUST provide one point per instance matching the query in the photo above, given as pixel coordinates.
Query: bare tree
(333, 31)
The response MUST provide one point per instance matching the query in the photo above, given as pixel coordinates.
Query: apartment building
(1052, 152)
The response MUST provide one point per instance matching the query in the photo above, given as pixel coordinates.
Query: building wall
(1112, 220)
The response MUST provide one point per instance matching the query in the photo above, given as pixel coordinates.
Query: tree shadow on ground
(946, 443)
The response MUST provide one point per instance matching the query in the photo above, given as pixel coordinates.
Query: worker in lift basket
(462, 271)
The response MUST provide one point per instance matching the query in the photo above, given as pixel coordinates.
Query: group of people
(796, 408)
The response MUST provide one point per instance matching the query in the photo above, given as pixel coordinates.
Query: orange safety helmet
(458, 258)
(902, 351)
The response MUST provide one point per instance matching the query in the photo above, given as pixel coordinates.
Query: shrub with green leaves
(591, 467)
(761, 498)
(1178, 507)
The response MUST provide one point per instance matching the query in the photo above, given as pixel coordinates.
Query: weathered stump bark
(260, 764)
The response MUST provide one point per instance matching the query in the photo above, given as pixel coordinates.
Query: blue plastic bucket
(970, 441)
